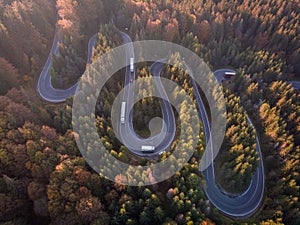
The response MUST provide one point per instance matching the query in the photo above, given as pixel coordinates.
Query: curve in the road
(242, 205)
(44, 86)
(53, 95)
(246, 203)
(130, 139)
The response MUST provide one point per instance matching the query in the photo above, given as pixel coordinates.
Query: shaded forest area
(26, 30)
(45, 180)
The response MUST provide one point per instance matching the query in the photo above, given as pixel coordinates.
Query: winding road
(45, 88)
(130, 139)
(246, 203)
(242, 205)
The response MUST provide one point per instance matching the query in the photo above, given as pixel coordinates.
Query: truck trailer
(229, 74)
(123, 110)
(131, 65)
(147, 148)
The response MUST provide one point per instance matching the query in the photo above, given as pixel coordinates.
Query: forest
(44, 179)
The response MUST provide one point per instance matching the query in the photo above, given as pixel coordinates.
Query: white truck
(229, 74)
(131, 65)
(123, 110)
(147, 148)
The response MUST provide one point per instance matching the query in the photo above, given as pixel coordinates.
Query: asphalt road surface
(242, 205)
(45, 88)
(130, 139)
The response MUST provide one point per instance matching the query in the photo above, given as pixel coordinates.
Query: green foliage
(24, 26)
(8, 76)
(148, 107)
(278, 117)
(238, 158)
(44, 177)
(68, 66)
(108, 38)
